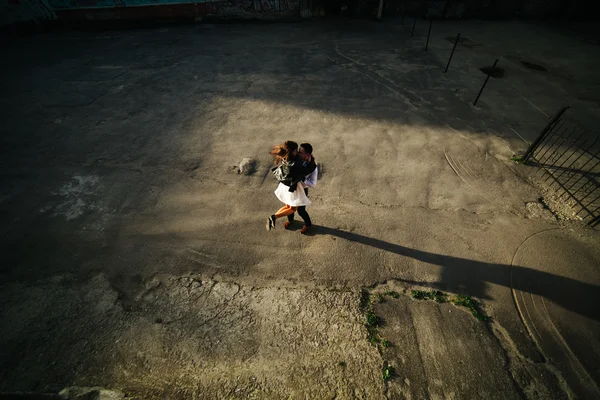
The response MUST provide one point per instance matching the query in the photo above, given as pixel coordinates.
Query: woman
(290, 172)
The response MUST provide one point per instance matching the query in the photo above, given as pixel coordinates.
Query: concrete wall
(137, 9)
(540, 7)
(37, 11)
(25, 11)
(496, 9)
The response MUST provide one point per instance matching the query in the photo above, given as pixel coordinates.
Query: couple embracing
(296, 171)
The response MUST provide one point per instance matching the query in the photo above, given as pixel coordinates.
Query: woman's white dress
(294, 199)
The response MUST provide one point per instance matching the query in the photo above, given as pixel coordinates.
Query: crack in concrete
(506, 361)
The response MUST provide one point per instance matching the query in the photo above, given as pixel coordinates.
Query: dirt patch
(538, 209)
(563, 207)
(188, 338)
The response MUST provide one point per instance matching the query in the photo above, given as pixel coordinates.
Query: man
(305, 155)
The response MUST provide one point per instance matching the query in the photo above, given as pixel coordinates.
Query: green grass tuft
(388, 372)
(517, 159)
(371, 318)
(435, 295)
(471, 304)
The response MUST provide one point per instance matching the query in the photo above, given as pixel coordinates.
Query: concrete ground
(136, 257)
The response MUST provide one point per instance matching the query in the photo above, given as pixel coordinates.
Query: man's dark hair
(307, 147)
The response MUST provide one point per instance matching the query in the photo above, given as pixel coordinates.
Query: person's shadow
(460, 275)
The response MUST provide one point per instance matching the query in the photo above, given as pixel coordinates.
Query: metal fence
(568, 156)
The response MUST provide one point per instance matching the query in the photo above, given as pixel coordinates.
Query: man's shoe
(271, 222)
(304, 229)
(286, 225)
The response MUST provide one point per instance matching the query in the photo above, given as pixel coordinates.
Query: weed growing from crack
(517, 159)
(371, 318)
(459, 300)
(388, 372)
(418, 294)
(473, 305)
(439, 297)
(380, 298)
(374, 337)
(392, 293)
(364, 300)
(435, 295)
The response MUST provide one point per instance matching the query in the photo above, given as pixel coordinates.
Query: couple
(296, 171)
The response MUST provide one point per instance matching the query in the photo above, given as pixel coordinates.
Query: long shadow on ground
(462, 275)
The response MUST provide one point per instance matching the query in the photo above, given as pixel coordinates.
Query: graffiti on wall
(260, 5)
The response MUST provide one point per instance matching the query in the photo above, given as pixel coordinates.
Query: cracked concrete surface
(135, 255)
(188, 338)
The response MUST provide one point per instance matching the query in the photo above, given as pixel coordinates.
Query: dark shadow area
(570, 172)
(79, 88)
(533, 66)
(324, 73)
(463, 41)
(494, 72)
(460, 275)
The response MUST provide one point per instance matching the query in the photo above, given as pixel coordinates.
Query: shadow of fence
(568, 156)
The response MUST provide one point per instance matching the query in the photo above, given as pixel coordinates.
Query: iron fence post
(543, 134)
(583, 175)
(573, 163)
(595, 156)
(487, 78)
(413, 29)
(451, 54)
(428, 34)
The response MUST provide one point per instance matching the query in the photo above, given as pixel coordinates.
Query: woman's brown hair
(283, 151)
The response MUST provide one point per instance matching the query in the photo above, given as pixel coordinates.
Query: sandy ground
(135, 254)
